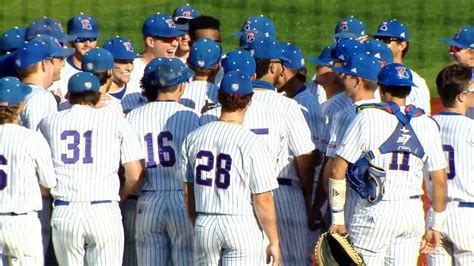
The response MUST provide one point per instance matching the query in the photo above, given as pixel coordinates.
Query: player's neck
(363, 94)
(182, 55)
(116, 87)
(36, 79)
(76, 60)
(292, 87)
(398, 59)
(456, 109)
(202, 78)
(389, 98)
(169, 96)
(232, 117)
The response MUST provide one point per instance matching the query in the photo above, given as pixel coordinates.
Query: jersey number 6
(223, 166)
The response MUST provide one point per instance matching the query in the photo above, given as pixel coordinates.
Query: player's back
(39, 103)
(311, 110)
(227, 163)
(197, 92)
(328, 111)
(163, 126)
(457, 136)
(88, 145)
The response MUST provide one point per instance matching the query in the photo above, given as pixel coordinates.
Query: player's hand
(338, 228)
(273, 254)
(315, 219)
(103, 101)
(431, 241)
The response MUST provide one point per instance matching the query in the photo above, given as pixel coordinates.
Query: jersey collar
(69, 61)
(449, 113)
(263, 84)
(302, 89)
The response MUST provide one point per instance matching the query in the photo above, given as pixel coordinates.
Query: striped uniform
(197, 93)
(419, 96)
(457, 134)
(317, 90)
(25, 159)
(311, 110)
(132, 100)
(381, 232)
(111, 105)
(163, 231)
(88, 145)
(67, 72)
(227, 164)
(39, 103)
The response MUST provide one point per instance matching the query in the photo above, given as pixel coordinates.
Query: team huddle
(185, 155)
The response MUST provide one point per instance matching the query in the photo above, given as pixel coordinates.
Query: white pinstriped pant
(163, 230)
(85, 232)
(129, 214)
(457, 245)
(20, 240)
(389, 232)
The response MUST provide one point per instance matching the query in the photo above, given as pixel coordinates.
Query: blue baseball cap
(12, 91)
(362, 65)
(97, 60)
(347, 48)
(204, 53)
(259, 24)
(395, 75)
(294, 55)
(152, 65)
(32, 52)
(325, 58)
(12, 39)
(186, 12)
(162, 25)
(7, 65)
(83, 81)
(464, 38)
(380, 51)
(170, 72)
(47, 26)
(350, 28)
(120, 48)
(83, 26)
(392, 28)
(236, 82)
(266, 48)
(246, 39)
(239, 59)
(55, 47)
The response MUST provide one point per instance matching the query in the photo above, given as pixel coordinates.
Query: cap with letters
(294, 55)
(12, 91)
(47, 26)
(325, 58)
(239, 59)
(186, 12)
(350, 28)
(97, 60)
(83, 26)
(120, 48)
(33, 52)
(204, 53)
(266, 48)
(170, 72)
(464, 38)
(395, 75)
(392, 28)
(259, 24)
(236, 82)
(362, 65)
(83, 81)
(162, 25)
(12, 39)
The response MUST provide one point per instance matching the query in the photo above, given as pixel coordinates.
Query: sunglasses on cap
(387, 40)
(81, 39)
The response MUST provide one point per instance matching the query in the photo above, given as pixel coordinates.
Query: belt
(284, 181)
(66, 203)
(152, 191)
(415, 197)
(466, 204)
(12, 214)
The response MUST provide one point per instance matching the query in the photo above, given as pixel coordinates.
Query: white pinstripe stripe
(197, 92)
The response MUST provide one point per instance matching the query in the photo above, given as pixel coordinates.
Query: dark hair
(300, 73)
(150, 91)
(88, 97)
(203, 22)
(232, 102)
(103, 76)
(262, 67)
(451, 81)
(369, 84)
(396, 91)
(203, 71)
(8, 114)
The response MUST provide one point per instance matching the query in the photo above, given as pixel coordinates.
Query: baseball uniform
(198, 94)
(317, 90)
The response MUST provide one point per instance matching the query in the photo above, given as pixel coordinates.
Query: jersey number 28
(223, 167)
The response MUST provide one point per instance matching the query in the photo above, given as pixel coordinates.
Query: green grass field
(307, 23)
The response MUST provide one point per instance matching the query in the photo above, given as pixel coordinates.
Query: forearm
(439, 193)
(337, 190)
(305, 166)
(133, 180)
(321, 191)
(265, 210)
(188, 194)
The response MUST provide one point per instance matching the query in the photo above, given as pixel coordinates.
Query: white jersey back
(197, 93)
(227, 163)
(371, 128)
(457, 136)
(419, 96)
(111, 105)
(88, 146)
(317, 90)
(39, 103)
(136, 75)
(25, 159)
(162, 127)
(311, 112)
(132, 101)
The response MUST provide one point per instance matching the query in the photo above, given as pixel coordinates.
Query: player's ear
(149, 41)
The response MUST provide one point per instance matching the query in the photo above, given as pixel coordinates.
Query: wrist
(337, 199)
(338, 217)
(438, 219)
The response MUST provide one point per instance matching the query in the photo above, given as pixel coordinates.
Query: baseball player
(350, 28)
(25, 161)
(227, 179)
(395, 35)
(204, 59)
(182, 15)
(456, 88)
(87, 146)
(325, 83)
(405, 141)
(12, 39)
(163, 231)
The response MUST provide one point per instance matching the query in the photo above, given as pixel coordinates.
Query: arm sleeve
(44, 164)
(436, 159)
(185, 167)
(299, 134)
(131, 148)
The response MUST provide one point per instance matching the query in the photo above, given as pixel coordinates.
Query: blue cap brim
(346, 35)
(64, 53)
(393, 83)
(182, 27)
(85, 35)
(454, 43)
(315, 60)
(344, 70)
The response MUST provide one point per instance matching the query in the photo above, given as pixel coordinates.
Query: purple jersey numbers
(74, 140)
(394, 165)
(3, 175)
(166, 153)
(451, 170)
(223, 166)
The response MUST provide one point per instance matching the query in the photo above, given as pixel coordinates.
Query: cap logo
(343, 26)
(86, 24)
(187, 14)
(128, 46)
(88, 85)
(402, 34)
(18, 62)
(170, 23)
(383, 26)
(90, 66)
(200, 63)
(354, 70)
(246, 25)
(402, 72)
(235, 87)
(250, 36)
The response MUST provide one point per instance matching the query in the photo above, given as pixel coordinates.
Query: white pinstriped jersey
(67, 71)
(340, 124)
(88, 145)
(419, 96)
(457, 136)
(227, 163)
(328, 111)
(372, 127)
(136, 75)
(132, 101)
(197, 92)
(311, 111)
(317, 90)
(25, 159)
(39, 103)
(111, 105)
(162, 127)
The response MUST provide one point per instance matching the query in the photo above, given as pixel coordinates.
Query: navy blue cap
(162, 25)
(395, 75)
(259, 24)
(120, 48)
(266, 48)
(350, 28)
(152, 65)
(464, 38)
(294, 55)
(83, 81)
(97, 60)
(12, 91)
(56, 49)
(325, 58)
(185, 12)
(246, 39)
(347, 48)
(83, 26)
(170, 72)
(204, 53)
(47, 26)
(380, 51)
(392, 28)
(362, 65)
(236, 82)
(12, 39)
(32, 52)
(7, 65)
(239, 59)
